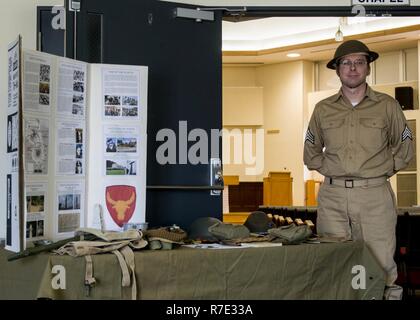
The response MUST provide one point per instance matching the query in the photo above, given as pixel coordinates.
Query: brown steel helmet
(349, 47)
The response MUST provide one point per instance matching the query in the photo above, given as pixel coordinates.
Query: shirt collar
(369, 93)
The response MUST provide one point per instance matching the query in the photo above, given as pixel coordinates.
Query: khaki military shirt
(369, 140)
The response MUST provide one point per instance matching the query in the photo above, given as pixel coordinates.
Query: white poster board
(71, 114)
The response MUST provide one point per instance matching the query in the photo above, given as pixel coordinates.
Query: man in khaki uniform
(357, 139)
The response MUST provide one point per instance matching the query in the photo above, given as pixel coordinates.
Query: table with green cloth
(345, 270)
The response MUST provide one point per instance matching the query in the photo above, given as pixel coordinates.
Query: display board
(14, 215)
(83, 146)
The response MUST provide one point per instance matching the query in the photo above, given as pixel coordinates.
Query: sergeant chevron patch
(310, 136)
(406, 134)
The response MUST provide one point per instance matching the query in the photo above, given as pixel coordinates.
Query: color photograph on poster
(121, 167)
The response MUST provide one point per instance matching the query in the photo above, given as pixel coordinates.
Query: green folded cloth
(160, 245)
(227, 231)
(291, 234)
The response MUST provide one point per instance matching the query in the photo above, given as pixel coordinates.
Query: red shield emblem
(121, 203)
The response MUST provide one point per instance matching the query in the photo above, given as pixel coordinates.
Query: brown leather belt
(351, 183)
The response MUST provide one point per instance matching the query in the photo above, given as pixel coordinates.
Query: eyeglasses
(355, 63)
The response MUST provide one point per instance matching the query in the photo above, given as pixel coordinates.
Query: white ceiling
(280, 33)
(276, 32)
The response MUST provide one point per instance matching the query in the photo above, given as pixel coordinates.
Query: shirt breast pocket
(372, 132)
(333, 133)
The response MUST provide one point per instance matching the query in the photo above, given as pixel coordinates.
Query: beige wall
(17, 17)
(240, 77)
(283, 111)
(285, 105)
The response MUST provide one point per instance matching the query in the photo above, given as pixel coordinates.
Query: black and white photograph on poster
(70, 148)
(34, 229)
(79, 75)
(130, 101)
(111, 145)
(79, 167)
(36, 81)
(12, 133)
(78, 98)
(130, 112)
(68, 222)
(44, 73)
(77, 109)
(112, 111)
(79, 87)
(69, 202)
(121, 89)
(79, 151)
(121, 167)
(36, 134)
(113, 100)
(65, 202)
(76, 201)
(79, 135)
(44, 99)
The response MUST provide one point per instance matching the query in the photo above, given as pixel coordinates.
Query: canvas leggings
(362, 213)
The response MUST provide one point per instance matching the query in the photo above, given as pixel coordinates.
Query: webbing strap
(89, 279)
(125, 282)
(129, 259)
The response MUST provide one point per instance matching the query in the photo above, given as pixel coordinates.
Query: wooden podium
(311, 194)
(278, 189)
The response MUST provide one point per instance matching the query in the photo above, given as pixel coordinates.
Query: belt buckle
(347, 185)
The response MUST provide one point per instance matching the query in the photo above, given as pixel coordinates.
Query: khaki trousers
(361, 213)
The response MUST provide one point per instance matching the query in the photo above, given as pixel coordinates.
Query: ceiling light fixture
(293, 55)
(339, 35)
